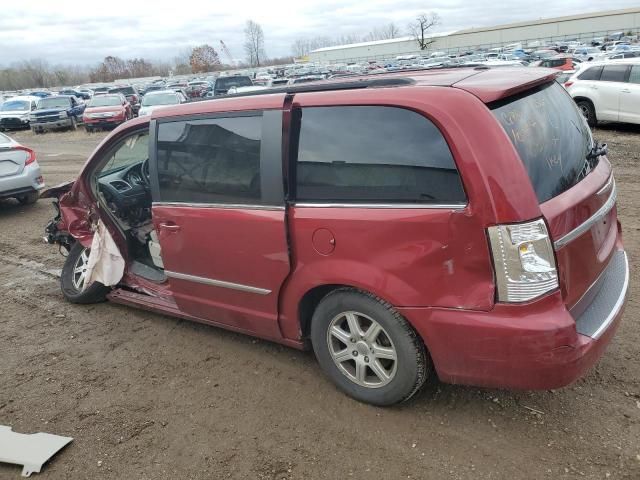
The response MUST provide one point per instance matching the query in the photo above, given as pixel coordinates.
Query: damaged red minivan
(455, 222)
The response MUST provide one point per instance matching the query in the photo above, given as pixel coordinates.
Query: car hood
(44, 111)
(152, 108)
(116, 109)
(13, 113)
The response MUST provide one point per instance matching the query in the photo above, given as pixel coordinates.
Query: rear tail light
(31, 155)
(567, 84)
(524, 261)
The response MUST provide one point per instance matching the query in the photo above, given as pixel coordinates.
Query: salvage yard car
(15, 112)
(461, 243)
(57, 112)
(160, 99)
(20, 176)
(608, 91)
(108, 110)
(131, 94)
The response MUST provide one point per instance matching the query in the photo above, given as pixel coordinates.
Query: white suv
(608, 91)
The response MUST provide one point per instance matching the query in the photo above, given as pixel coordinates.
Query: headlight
(63, 114)
(524, 261)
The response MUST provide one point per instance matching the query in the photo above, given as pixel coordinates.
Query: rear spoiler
(499, 83)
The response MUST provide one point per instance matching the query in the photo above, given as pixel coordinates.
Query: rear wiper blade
(597, 151)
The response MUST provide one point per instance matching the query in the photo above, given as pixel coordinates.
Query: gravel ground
(146, 396)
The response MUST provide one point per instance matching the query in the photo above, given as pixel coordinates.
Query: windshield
(123, 90)
(105, 101)
(551, 137)
(15, 105)
(53, 102)
(228, 82)
(135, 149)
(160, 99)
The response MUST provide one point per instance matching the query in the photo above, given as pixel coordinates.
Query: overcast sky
(85, 32)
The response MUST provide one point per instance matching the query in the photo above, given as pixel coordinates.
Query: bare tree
(254, 43)
(421, 26)
(386, 32)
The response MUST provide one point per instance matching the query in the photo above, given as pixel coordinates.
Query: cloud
(84, 35)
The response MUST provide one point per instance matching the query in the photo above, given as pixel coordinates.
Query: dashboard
(127, 189)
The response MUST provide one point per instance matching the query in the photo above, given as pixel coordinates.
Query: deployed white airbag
(30, 451)
(105, 264)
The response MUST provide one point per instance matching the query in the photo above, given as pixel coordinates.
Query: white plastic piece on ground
(30, 451)
(105, 264)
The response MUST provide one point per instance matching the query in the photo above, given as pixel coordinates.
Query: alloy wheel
(361, 349)
(79, 275)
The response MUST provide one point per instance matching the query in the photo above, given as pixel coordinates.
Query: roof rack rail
(326, 86)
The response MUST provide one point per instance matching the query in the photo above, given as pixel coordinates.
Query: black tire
(89, 129)
(29, 198)
(412, 366)
(589, 112)
(94, 293)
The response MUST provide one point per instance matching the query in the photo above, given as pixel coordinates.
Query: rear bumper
(29, 180)
(532, 346)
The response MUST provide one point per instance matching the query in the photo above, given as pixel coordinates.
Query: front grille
(10, 122)
(48, 117)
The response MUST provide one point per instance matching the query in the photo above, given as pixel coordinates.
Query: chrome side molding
(228, 206)
(217, 283)
(399, 206)
(593, 219)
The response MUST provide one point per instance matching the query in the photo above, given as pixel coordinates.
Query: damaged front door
(219, 212)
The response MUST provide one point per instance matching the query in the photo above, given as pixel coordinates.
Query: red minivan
(458, 223)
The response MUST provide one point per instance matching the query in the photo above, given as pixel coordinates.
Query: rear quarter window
(372, 154)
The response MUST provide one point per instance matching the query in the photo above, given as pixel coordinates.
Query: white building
(583, 27)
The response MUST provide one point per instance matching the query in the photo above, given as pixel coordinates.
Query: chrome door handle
(625, 91)
(169, 226)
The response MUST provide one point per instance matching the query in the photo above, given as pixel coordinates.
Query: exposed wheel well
(582, 99)
(308, 305)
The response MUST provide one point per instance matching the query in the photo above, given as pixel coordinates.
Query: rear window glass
(551, 137)
(373, 154)
(614, 73)
(228, 82)
(592, 73)
(634, 76)
(123, 90)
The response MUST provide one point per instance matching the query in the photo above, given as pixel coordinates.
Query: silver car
(20, 176)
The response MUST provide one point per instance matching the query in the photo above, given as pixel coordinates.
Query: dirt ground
(146, 396)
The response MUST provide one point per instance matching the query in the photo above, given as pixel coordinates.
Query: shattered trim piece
(30, 451)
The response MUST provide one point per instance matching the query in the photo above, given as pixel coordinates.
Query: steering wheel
(145, 172)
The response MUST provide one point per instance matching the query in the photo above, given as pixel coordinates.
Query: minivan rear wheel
(367, 348)
(586, 107)
(73, 278)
